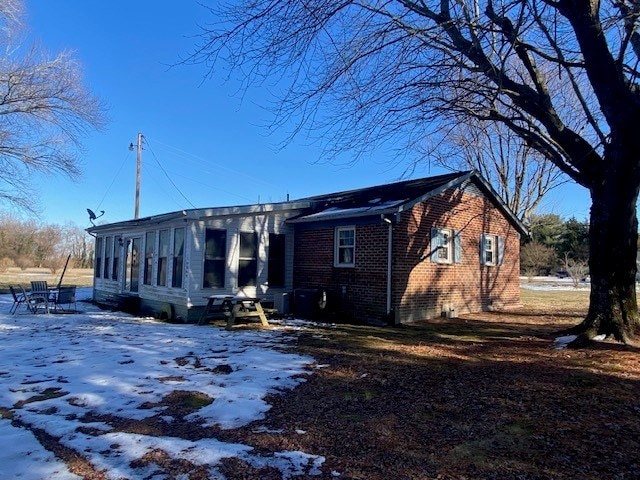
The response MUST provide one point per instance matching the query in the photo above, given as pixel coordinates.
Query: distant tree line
(27, 243)
(555, 246)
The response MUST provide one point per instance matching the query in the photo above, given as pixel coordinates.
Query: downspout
(389, 223)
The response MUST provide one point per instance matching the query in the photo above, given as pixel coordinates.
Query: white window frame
(497, 249)
(490, 245)
(448, 235)
(338, 247)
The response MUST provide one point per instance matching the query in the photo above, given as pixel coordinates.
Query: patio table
(234, 308)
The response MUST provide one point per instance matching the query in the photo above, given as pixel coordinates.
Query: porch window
(276, 260)
(491, 249)
(446, 246)
(98, 255)
(345, 247)
(116, 258)
(215, 258)
(108, 249)
(248, 261)
(149, 245)
(163, 255)
(178, 258)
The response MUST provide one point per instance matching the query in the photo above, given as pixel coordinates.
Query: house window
(178, 258)
(150, 240)
(248, 261)
(276, 260)
(163, 255)
(345, 247)
(491, 249)
(108, 250)
(215, 258)
(446, 246)
(98, 267)
(116, 258)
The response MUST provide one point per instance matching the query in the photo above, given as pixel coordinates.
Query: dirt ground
(485, 396)
(480, 397)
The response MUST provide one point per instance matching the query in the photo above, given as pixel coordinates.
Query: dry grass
(81, 277)
(483, 396)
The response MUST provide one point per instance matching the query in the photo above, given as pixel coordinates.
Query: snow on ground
(55, 369)
(552, 284)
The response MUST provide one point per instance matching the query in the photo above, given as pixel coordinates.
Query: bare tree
(576, 269)
(44, 112)
(519, 173)
(561, 74)
(536, 258)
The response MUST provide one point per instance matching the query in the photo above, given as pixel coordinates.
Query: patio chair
(18, 299)
(40, 286)
(66, 296)
(34, 301)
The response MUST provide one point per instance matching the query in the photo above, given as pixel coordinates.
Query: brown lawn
(81, 277)
(480, 397)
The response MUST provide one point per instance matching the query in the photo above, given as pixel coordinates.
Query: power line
(167, 175)
(217, 165)
(114, 180)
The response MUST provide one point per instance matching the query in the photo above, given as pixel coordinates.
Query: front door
(132, 275)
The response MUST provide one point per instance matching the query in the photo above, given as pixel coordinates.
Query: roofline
(470, 175)
(437, 191)
(338, 216)
(304, 203)
(473, 175)
(501, 205)
(203, 213)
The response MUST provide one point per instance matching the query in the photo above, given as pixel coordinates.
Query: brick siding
(420, 288)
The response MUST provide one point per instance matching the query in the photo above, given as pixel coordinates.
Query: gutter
(389, 223)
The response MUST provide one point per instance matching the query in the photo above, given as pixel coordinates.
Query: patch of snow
(65, 367)
(563, 341)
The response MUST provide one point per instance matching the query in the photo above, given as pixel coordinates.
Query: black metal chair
(35, 300)
(18, 299)
(65, 296)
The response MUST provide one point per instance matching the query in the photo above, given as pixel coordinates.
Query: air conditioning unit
(310, 303)
(282, 303)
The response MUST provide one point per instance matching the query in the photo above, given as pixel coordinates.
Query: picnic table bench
(233, 308)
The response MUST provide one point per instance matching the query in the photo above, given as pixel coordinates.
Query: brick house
(411, 250)
(399, 252)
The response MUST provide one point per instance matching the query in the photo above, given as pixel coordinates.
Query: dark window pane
(98, 256)
(116, 257)
(107, 255)
(163, 253)
(162, 271)
(214, 273)
(216, 244)
(276, 260)
(248, 262)
(247, 273)
(148, 257)
(178, 256)
(176, 281)
(215, 256)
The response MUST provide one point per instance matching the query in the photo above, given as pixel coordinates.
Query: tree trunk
(613, 237)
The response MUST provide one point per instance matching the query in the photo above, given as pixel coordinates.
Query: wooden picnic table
(234, 308)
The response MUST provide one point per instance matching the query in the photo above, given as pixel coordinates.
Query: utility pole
(136, 212)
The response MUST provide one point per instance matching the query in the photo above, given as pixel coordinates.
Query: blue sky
(207, 138)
